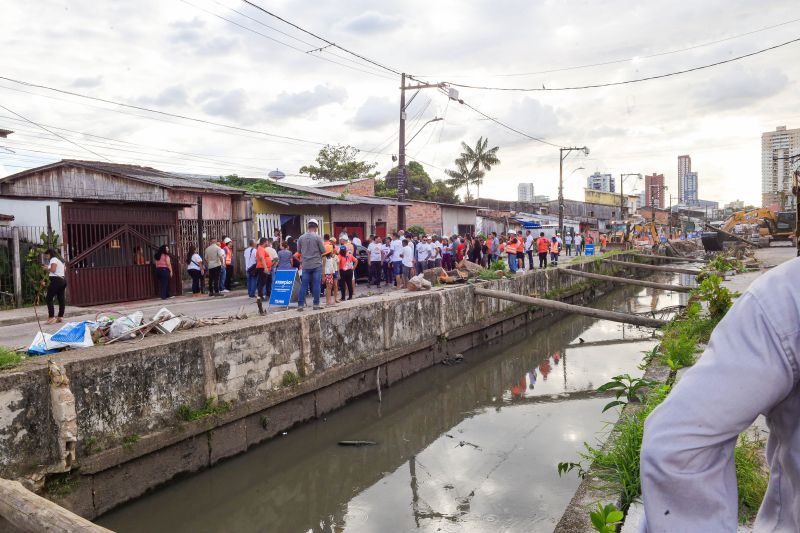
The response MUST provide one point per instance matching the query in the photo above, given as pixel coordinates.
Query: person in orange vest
(226, 274)
(511, 250)
(555, 249)
(542, 246)
(263, 268)
(603, 242)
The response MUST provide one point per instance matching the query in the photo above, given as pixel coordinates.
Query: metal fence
(30, 238)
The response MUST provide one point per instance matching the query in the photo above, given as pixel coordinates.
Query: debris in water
(580, 340)
(357, 443)
(456, 359)
(465, 443)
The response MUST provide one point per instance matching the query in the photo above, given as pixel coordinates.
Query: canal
(467, 447)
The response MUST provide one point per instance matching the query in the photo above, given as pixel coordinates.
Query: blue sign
(589, 249)
(282, 286)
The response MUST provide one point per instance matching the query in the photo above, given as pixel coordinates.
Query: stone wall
(127, 395)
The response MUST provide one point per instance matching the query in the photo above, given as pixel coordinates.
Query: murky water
(472, 447)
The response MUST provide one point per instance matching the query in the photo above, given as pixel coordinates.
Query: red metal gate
(110, 251)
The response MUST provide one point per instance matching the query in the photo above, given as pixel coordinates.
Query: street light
(437, 119)
(562, 156)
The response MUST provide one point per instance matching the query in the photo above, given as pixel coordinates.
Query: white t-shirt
(437, 248)
(529, 243)
(423, 251)
(375, 251)
(59, 267)
(356, 241)
(196, 261)
(249, 258)
(386, 249)
(578, 239)
(397, 249)
(408, 256)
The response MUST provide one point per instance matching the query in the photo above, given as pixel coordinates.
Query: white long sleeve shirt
(751, 367)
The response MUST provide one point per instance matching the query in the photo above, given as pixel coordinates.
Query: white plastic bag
(125, 324)
(42, 345)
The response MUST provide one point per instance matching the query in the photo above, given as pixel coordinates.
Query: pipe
(638, 282)
(576, 309)
(674, 270)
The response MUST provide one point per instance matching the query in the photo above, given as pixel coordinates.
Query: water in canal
(472, 447)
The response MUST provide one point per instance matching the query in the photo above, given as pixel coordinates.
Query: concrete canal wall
(127, 396)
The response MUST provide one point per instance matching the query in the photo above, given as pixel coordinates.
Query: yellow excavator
(762, 221)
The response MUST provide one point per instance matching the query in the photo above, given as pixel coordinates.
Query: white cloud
(372, 22)
(375, 112)
(288, 105)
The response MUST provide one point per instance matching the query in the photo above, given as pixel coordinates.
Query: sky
(180, 57)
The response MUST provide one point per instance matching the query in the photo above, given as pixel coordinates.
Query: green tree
(419, 185)
(482, 158)
(339, 163)
(464, 174)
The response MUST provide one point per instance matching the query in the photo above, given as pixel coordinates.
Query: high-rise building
(654, 190)
(776, 168)
(684, 167)
(600, 182)
(525, 192)
(687, 185)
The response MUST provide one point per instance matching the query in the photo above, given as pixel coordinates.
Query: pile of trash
(108, 329)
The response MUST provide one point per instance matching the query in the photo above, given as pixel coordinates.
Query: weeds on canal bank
(9, 358)
(751, 475)
(211, 407)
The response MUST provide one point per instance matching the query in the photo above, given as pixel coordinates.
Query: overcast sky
(172, 56)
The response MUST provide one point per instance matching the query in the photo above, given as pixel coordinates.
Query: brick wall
(360, 187)
(427, 215)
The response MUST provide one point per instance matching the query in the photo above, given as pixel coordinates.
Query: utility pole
(401, 156)
(401, 164)
(562, 156)
(622, 209)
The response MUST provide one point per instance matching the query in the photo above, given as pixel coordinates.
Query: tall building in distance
(525, 192)
(684, 167)
(600, 182)
(776, 168)
(654, 190)
(687, 185)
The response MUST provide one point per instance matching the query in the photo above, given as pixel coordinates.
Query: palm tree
(481, 158)
(463, 175)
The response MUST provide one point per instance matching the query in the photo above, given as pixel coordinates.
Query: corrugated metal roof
(291, 199)
(339, 183)
(135, 172)
(364, 200)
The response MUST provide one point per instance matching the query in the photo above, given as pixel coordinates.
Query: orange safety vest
(228, 255)
(554, 247)
(511, 248)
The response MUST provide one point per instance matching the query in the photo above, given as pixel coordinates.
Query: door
(380, 230)
(351, 228)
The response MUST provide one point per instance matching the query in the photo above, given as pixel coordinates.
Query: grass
(290, 379)
(488, 274)
(557, 292)
(751, 475)
(61, 484)
(9, 358)
(130, 440)
(209, 408)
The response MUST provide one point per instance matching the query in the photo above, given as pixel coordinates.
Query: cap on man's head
(313, 222)
(342, 248)
(227, 240)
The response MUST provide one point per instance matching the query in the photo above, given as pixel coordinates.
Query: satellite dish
(276, 175)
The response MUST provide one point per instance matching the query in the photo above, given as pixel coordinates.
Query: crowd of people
(328, 264)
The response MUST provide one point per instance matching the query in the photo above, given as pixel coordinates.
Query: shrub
(415, 230)
(210, 407)
(9, 358)
(498, 264)
(719, 298)
(751, 477)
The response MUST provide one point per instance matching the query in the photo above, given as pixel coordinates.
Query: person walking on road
(213, 258)
(56, 272)
(311, 248)
(194, 266)
(542, 247)
(250, 268)
(578, 244)
(555, 250)
(163, 270)
(347, 266)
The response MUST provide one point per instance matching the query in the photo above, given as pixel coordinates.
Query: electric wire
(625, 82)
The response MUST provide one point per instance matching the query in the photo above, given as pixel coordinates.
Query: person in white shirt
(356, 241)
(250, 268)
(529, 240)
(423, 253)
(578, 244)
(408, 260)
(58, 284)
(568, 243)
(375, 250)
(397, 260)
(387, 261)
(437, 252)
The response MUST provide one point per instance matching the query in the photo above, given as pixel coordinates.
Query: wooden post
(30, 512)
(657, 268)
(49, 228)
(17, 266)
(602, 314)
(637, 282)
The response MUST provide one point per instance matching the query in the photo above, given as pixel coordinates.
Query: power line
(626, 82)
(52, 133)
(165, 113)
(331, 43)
(617, 61)
(279, 41)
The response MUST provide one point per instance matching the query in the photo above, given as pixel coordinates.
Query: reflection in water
(472, 447)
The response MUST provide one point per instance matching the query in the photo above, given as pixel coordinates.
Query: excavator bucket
(712, 241)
